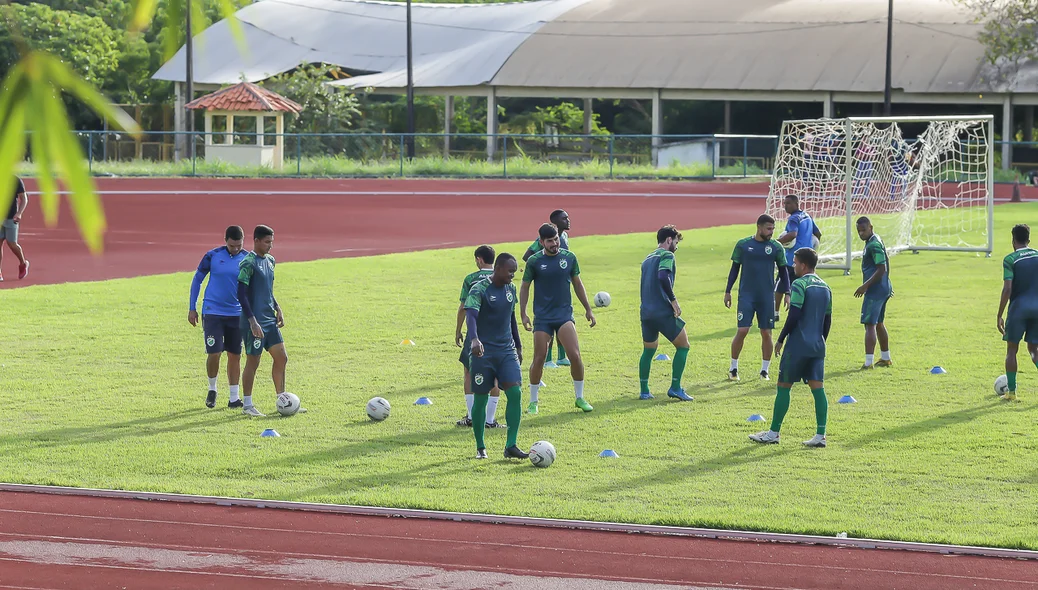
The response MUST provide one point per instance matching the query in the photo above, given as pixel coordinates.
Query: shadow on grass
(928, 426)
(727, 334)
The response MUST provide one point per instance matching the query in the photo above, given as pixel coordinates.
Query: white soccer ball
(288, 403)
(1001, 385)
(814, 243)
(542, 454)
(602, 299)
(378, 409)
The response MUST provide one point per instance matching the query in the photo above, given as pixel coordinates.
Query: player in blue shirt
(801, 232)
(220, 312)
(1020, 293)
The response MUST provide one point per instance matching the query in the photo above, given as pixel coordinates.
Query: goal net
(925, 183)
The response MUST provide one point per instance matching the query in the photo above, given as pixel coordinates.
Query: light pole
(890, 36)
(410, 89)
(190, 80)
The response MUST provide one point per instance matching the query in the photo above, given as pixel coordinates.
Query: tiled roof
(245, 96)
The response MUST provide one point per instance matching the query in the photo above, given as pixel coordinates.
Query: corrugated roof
(244, 96)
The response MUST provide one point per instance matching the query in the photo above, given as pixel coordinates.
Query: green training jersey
(758, 260)
(875, 256)
(654, 301)
(535, 247)
(552, 298)
(815, 300)
(495, 308)
(472, 279)
(1021, 267)
(257, 273)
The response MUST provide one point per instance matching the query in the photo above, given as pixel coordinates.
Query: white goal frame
(843, 260)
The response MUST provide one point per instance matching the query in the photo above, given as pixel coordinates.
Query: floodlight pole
(410, 88)
(890, 37)
(190, 80)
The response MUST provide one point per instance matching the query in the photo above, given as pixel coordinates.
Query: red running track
(165, 225)
(51, 541)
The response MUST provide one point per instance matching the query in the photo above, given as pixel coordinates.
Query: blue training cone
(270, 432)
(847, 400)
(755, 418)
(423, 401)
(938, 370)
(609, 453)
(662, 357)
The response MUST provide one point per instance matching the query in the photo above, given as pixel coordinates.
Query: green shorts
(763, 308)
(667, 325)
(1021, 324)
(873, 309)
(255, 346)
(793, 369)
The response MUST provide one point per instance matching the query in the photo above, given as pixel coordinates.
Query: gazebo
(238, 100)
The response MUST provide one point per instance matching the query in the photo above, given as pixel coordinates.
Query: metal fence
(452, 155)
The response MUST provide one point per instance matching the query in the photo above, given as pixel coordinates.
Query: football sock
(212, 383)
(781, 407)
(578, 389)
(548, 358)
(765, 365)
(248, 401)
(479, 418)
(680, 356)
(562, 352)
(1011, 377)
(491, 409)
(884, 355)
(821, 409)
(735, 365)
(533, 392)
(644, 366)
(513, 413)
(869, 359)
(234, 393)
(469, 398)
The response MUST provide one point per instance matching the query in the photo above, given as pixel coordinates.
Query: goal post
(926, 183)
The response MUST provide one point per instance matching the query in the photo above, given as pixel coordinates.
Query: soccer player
(561, 220)
(221, 312)
(261, 316)
(553, 269)
(496, 352)
(661, 313)
(758, 255)
(807, 326)
(799, 230)
(1020, 292)
(9, 229)
(485, 263)
(875, 271)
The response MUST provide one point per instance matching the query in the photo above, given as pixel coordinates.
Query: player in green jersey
(807, 326)
(661, 313)
(261, 316)
(876, 290)
(497, 352)
(561, 220)
(1020, 293)
(553, 270)
(758, 256)
(484, 257)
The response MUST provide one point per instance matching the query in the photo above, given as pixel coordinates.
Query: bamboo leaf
(141, 14)
(228, 10)
(175, 21)
(40, 138)
(12, 139)
(64, 78)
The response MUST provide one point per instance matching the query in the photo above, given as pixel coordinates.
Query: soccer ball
(602, 299)
(1001, 385)
(378, 409)
(814, 243)
(542, 454)
(288, 404)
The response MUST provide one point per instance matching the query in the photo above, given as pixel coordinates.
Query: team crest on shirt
(563, 264)
(257, 343)
(508, 296)
(767, 249)
(479, 379)
(740, 316)
(210, 341)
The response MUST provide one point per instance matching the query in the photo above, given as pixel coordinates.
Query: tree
(326, 109)
(1010, 31)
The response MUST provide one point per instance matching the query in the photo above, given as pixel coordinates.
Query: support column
(259, 130)
(229, 138)
(657, 126)
(179, 122)
(1029, 123)
(208, 128)
(1007, 131)
(491, 123)
(827, 105)
(727, 129)
(279, 143)
(588, 117)
(448, 116)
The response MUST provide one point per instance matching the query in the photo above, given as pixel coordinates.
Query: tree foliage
(1010, 31)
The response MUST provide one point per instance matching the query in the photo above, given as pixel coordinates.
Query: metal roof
(724, 45)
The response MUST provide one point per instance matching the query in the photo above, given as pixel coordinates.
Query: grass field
(103, 386)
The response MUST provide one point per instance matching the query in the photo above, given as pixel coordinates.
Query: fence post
(90, 153)
(401, 155)
(744, 150)
(504, 154)
(713, 165)
(299, 155)
(610, 157)
(194, 160)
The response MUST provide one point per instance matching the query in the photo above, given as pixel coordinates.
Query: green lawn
(104, 386)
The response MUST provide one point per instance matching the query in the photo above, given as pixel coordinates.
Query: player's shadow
(138, 428)
(403, 479)
(922, 427)
(725, 334)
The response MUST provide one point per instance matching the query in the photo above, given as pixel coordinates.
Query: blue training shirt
(221, 294)
(801, 223)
